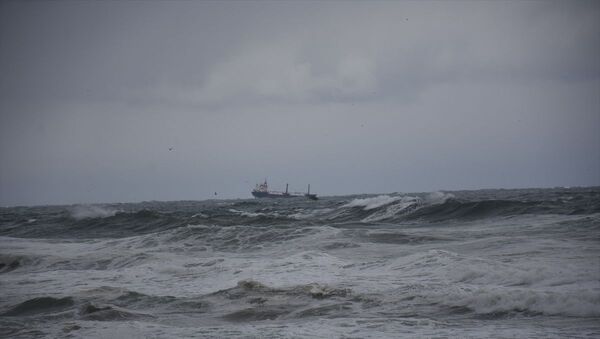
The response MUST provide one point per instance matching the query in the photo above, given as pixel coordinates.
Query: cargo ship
(262, 191)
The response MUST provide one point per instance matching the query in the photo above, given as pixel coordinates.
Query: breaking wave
(439, 206)
(80, 212)
(123, 220)
(371, 203)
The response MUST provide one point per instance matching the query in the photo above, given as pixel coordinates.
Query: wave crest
(40, 305)
(372, 203)
(80, 212)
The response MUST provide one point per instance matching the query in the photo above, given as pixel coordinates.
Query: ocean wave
(460, 269)
(268, 303)
(251, 214)
(499, 301)
(39, 305)
(102, 222)
(458, 283)
(304, 214)
(236, 238)
(80, 212)
(91, 311)
(420, 264)
(10, 263)
(460, 209)
(372, 203)
(436, 207)
(399, 207)
(123, 220)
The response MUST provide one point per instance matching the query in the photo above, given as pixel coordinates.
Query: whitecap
(92, 211)
(372, 203)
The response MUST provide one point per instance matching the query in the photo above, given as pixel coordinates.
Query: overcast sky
(352, 97)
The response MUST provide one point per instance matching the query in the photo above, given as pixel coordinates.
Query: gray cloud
(352, 97)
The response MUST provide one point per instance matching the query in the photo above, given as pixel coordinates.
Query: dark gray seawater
(493, 263)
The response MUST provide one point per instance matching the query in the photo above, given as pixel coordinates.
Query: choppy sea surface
(465, 264)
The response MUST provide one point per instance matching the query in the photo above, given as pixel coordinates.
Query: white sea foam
(312, 214)
(92, 211)
(438, 197)
(372, 203)
(246, 214)
(490, 287)
(405, 204)
(489, 300)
